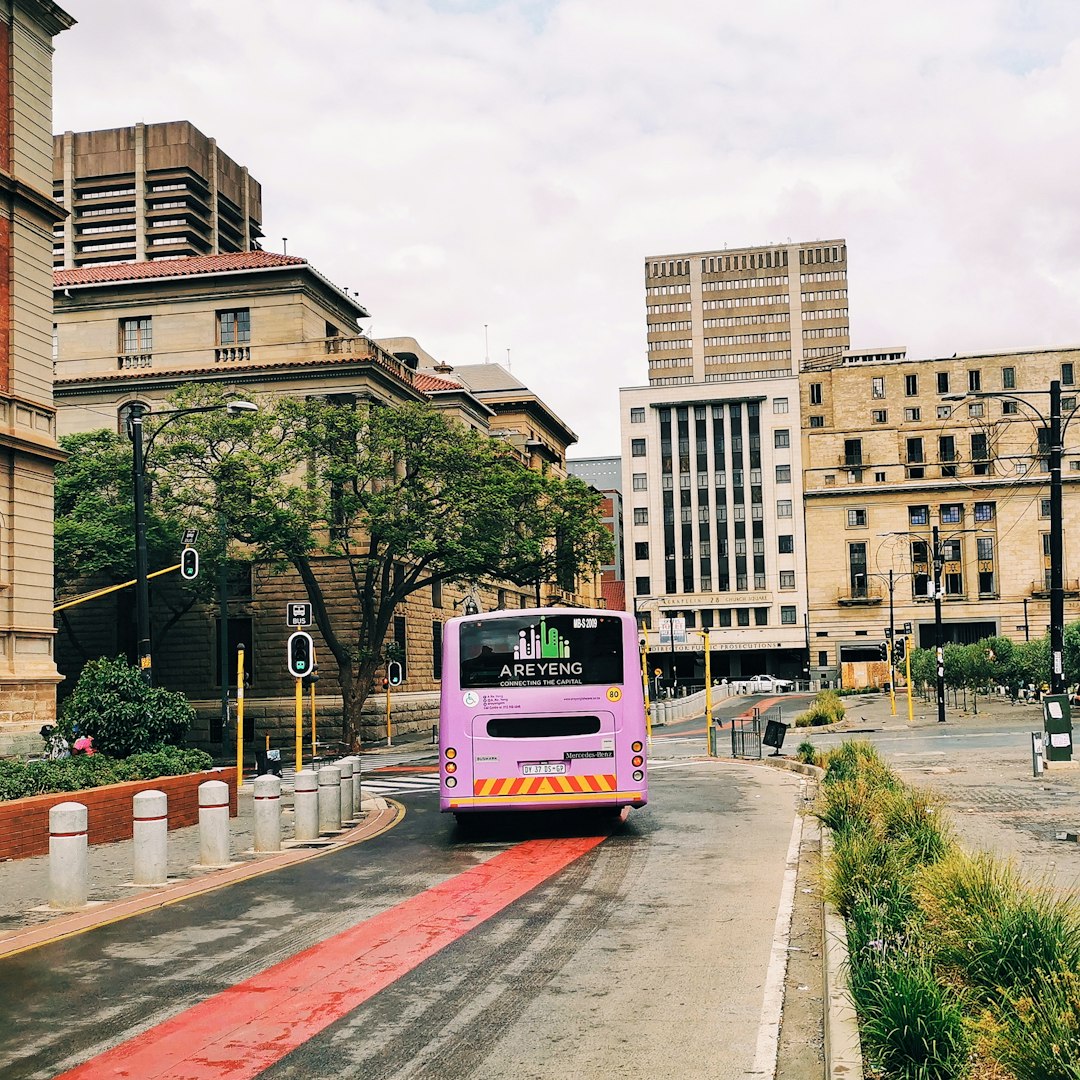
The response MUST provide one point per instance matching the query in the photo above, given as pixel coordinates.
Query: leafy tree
(400, 496)
(94, 521)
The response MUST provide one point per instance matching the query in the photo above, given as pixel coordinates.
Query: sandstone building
(28, 449)
(892, 449)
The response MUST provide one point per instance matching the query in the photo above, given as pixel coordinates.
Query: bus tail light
(450, 752)
(638, 776)
(451, 781)
(637, 761)
(451, 767)
(637, 747)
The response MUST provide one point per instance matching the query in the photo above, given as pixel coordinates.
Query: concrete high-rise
(149, 192)
(712, 460)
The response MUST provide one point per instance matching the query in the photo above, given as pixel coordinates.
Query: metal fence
(746, 736)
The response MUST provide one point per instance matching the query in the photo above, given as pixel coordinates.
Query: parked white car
(769, 684)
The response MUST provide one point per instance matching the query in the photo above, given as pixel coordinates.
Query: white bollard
(214, 823)
(267, 801)
(329, 799)
(67, 856)
(346, 767)
(306, 806)
(150, 831)
(355, 759)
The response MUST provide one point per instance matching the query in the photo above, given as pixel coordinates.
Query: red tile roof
(429, 384)
(614, 594)
(164, 268)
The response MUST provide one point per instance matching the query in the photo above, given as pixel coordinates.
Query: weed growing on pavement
(826, 708)
(809, 754)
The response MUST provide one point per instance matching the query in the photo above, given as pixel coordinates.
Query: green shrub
(808, 754)
(1002, 934)
(1039, 1034)
(912, 1025)
(826, 708)
(20, 779)
(114, 705)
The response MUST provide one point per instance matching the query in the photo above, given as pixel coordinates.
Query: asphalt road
(541, 947)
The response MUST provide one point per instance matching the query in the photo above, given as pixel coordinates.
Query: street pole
(223, 616)
(892, 650)
(1057, 589)
(239, 716)
(938, 632)
(142, 584)
(1027, 627)
(708, 695)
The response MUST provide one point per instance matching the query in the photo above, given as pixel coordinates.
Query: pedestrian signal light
(883, 649)
(394, 673)
(301, 655)
(189, 564)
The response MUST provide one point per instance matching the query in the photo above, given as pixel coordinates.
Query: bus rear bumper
(570, 801)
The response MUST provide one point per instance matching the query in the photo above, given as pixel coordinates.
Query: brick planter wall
(24, 823)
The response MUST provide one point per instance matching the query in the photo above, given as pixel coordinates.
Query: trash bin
(774, 735)
(1057, 723)
(267, 762)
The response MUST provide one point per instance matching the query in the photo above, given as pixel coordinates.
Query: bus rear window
(541, 650)
(541, 727)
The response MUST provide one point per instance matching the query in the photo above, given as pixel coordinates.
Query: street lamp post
(939, 644)
(140, 448)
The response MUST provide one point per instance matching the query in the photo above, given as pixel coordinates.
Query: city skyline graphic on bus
(536, 644)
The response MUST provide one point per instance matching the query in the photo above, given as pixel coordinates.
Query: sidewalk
(996, 802)
(26, 920)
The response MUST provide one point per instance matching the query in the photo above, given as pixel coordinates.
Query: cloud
(512, 164)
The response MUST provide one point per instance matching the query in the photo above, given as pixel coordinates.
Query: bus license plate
(544, 768)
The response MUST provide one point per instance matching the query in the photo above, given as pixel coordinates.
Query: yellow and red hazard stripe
(544, 785)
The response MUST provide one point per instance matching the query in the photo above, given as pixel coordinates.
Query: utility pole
(938, 632)
(892, 648)
(1057, 588)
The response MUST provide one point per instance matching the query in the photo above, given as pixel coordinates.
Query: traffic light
(899, 648)
(189, 564)
(301, 654)
(883, 650)
(393, 673)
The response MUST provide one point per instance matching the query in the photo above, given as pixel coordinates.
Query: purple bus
(541, 708)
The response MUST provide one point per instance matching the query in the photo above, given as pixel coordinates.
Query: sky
(489, 176)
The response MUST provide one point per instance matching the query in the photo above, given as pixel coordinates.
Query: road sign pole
(239, 716)
(388, 738)
(299, 724)
(708, 696)
(907, 677)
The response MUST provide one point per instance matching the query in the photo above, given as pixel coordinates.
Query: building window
(815, 393)
(1044, 508)
(914, 451)
(817, 421)
(918, 515)
(641, 549)
(782, 438)
(786, 543)
(1066, 374)
(856, 519)
(436, 649)
(724, 615)
(637, 447)
(234, 327)
(976, 409)
(942, 382)
(913, 415)
(787, 579)
(742, 616)
(879, 416)
(911, 385)
(1010, 408)
(436, 594)
(787, 615)
(783, 474)
(857, 569)
(640, 482)
(974, 382)
(783, 508)
(240, 633)
(641, 586)
(401, 640)
(780, 405)
(877, 386)
(951, 513)
(944, 412)
(136, 336)
(984, 511)
(641, 515)
(1008, 378)
(637, 416)
(761, 616)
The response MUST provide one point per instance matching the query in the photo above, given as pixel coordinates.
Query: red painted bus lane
(247, 1028)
